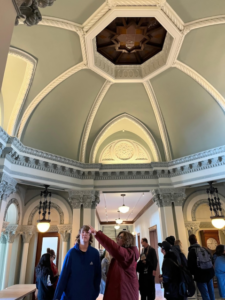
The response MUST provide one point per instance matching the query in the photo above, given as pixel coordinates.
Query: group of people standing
(83, 277)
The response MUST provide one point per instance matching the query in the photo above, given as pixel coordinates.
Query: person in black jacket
(45, 278)
(171, 276)
(203, 277)
(146, 267)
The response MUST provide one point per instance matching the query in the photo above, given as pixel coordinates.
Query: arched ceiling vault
(176, 105)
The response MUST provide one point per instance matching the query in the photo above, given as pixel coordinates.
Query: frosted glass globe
(218, 222)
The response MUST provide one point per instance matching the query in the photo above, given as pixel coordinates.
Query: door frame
(150, 229)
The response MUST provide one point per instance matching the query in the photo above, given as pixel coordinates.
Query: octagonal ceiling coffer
(131, 41)
(132, 45)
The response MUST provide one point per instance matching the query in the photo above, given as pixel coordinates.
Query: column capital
(7, 186)
(192, 227)
(27, 231)
(89, 198)
(164, 197)
(64, 231)
(11, 233)
(3, 239)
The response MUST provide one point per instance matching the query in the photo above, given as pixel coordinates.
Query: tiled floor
(159, 294)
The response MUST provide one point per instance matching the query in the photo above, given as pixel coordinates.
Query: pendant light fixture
(119, 221)
(215, 207)
(117, 227)
(43, 224)
(124, 209)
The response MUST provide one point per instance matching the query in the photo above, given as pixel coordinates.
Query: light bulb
(117, 227)
(43, 225)
(124, 209)
(218, 222)
(119, 221)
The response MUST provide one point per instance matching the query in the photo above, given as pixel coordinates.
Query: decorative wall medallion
(124, 151)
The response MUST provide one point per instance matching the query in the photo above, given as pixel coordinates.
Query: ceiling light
(119, 221)
(117, 227)
(215, 207)
(143, 194)
(43, 224)
(123, 209)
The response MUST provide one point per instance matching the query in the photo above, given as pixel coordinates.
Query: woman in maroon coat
(122, 282)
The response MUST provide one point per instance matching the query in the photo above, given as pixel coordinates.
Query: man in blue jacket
(81, 273)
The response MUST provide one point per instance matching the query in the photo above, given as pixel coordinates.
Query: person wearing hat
(175, 249)
(170, 273)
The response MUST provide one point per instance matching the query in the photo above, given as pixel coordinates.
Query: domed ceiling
(115, 82)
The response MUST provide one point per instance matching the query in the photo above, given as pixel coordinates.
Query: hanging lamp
(215, 207)
(119, 221)
(43, 224)
(123, 209)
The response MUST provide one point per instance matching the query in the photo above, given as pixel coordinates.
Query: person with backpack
(170, 273)
(220, 269)
(200, 264)
(182, 255)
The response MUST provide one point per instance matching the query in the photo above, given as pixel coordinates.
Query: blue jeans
(206, 289)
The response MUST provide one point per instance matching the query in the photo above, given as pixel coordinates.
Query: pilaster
(192, 227)
(64, 231)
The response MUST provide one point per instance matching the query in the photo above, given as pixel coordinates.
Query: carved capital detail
(192, 227)
(7, 186)
(11, 233)
(165, 197)
(89, 199)
(27, 232)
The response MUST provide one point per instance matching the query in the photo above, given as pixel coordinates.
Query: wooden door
(210, 239)
(154, 243)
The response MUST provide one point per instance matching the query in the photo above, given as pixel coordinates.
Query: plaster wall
(149, 219)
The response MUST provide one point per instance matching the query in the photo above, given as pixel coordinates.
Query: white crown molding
(45, 92)
(25, 87)
(149, 137)
(173, 16)
(159, 119)
(91, 117)
(202, 81)
(203, 23)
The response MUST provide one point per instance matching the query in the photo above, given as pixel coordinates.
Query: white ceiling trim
(91, 117)
(203, 82)
(203, 23)
(22, 95)
(97, 15)
(149, 137)
(45, 92)
(173, 16)
(159, 119)
(67, 25)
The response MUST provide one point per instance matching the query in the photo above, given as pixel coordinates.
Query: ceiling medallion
(131, 41)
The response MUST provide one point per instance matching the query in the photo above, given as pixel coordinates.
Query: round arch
(16, 203)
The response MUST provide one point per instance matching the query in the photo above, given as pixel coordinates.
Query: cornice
(91, 117)
(159, 119)
(202, 81)
(45, 92)
(150, 139)
(203, 23)
(28, 79)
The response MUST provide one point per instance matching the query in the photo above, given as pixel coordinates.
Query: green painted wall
(190, 10)
(194, 120)
(57, 123)
(125, 98)
(206, 56)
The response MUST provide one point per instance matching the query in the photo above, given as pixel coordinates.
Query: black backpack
(187, 285)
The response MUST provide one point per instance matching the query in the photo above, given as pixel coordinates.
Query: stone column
(172, 219)
(27, 233)
(3, 242)
(7, 187)
(89, 200)
(64, 231)
(11, 234)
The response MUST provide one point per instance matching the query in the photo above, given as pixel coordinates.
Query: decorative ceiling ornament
(43, 225)
(124, 151)
(215, 207)
(123, 209)
(28, 10)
